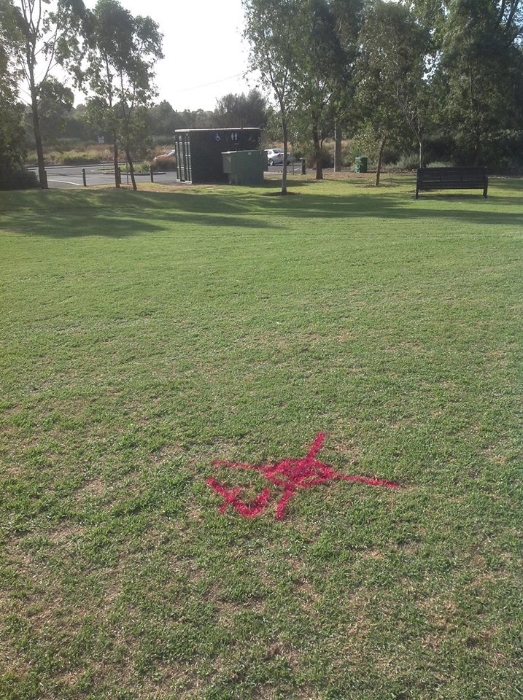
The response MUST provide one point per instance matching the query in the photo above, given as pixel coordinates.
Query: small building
(199, 151)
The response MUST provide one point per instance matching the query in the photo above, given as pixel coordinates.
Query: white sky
(205, 56)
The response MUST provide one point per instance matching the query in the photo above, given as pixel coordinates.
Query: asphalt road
(65, 176)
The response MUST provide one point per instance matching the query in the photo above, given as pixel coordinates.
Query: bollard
(83, 177)
(303, 169)
(151, 171)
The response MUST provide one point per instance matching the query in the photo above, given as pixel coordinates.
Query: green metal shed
(245, 167)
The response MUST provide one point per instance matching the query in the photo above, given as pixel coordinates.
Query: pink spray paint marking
(290, 475)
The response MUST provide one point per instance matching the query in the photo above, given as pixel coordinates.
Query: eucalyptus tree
(242, 110)
(481, 67)
(55, 105)
(42, 35)
(508, 14)
(392, 89)
(120, 57)
(270, 29)
(296, 47)
(431, 13)
(318, 66)
(349, 16)
(162, 119)
(477, 81)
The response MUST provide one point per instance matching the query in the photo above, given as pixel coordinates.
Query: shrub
(80, 159)
(326, 158)
(408, 161)
(142, 167)
(19, 180)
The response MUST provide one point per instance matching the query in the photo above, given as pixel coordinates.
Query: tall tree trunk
(117, 179)
(380, 158)
(317, 153)
(285, 131)
(420, 153)
(42, 175)
(337, 148)
(131, 167)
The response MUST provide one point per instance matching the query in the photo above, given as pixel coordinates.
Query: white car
(275, 156)
(166, 156)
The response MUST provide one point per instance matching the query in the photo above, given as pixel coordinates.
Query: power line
(215, 82)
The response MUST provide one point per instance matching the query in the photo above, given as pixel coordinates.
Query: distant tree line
(422, 80)
(231, 111)
(61, 122)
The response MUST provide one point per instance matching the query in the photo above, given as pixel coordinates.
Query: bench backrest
(476, 174)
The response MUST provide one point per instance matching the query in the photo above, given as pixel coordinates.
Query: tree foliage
(412, 72)
(319, 62)
(444, 77)
(162, 119)
(242, 110)
(270, 29)
(11, 123)
(480, 76)
(302, 49)
(121, 52)
(40, 36)
(349, 16)
(392, 89)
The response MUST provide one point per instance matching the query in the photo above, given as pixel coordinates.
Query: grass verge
(146, 334)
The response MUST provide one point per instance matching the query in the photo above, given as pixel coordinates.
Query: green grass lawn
(146, 334)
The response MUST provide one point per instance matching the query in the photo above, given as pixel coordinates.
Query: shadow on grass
(123, 213)
(117, 214)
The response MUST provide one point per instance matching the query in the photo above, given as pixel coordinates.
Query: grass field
(146, 334)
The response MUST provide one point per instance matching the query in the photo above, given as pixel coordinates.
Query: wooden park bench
(470, 178)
